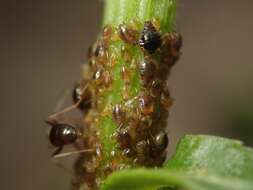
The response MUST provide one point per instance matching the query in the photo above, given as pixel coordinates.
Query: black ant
(62, 134)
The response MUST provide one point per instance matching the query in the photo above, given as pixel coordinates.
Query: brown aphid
(124, 139)
(147, 70)
(126, 54)
(144, 124)
(125, 74)
(100, 52)
(142, 149)
(156, 88)
(146, 104)
(171, 46)
(107, 33)
(150, 39)
(128, 34)
(125, 93)
(160, 142)
(176, 41)
(131, 126)
(166, 100)
(107, 78)
(97, 75)
(118, 114)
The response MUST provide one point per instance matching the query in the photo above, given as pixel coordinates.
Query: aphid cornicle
(150, 38)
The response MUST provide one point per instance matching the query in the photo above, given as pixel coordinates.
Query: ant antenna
(51, 118)
(56, 156)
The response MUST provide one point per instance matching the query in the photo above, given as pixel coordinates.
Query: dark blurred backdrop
(43, 43)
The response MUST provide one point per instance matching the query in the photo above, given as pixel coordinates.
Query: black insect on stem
(62, 134)
(150, 38)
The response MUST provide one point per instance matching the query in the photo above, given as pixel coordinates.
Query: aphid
(166, 100)
(118, 114)
(100, 53)
(156, 88)
(99, 49)
(127, 34)
(107, 33)
(160, 141)
(83, 95)
(147, 70)
(125, 75)
(97, 75)
(124, 139)
(126, 55)
(142, 149)
(150, 38)
(107, 78)
(171, 46)
(175, 40)
(146, 104)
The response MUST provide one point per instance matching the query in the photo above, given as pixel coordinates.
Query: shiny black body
(62, 134)
(150, 38)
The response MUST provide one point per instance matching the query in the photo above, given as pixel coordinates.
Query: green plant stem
(125, 11)
(104, 130)
(119, 11)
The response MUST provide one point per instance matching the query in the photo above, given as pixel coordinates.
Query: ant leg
(56, 155)
(57, 151)
(58, 163)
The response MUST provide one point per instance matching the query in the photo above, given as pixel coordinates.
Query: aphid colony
(125, 102)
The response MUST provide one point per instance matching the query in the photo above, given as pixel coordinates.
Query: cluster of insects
(125, 83)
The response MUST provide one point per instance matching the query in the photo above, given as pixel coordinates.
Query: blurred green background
(43, 43)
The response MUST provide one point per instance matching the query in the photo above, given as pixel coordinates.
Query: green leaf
(200, 163)
(213, 155)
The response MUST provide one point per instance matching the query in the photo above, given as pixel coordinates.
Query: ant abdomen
(62, 134)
